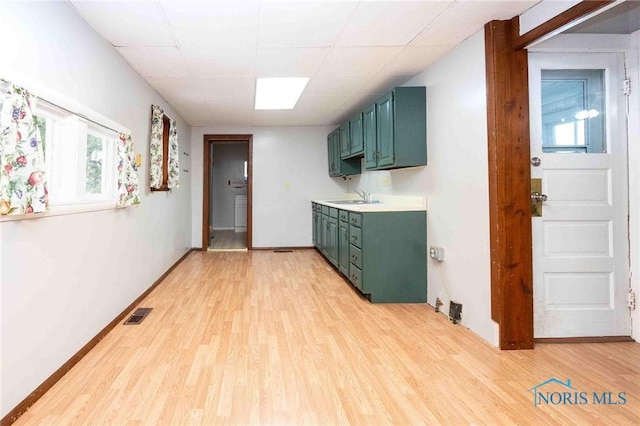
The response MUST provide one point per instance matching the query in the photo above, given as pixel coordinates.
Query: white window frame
(61, 109)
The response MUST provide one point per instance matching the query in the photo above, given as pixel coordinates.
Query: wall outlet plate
(436, 253)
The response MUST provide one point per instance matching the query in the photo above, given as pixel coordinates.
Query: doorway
(580, 236)
(227, 192)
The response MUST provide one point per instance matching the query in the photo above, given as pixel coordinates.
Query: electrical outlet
(385, 180)
(436, 253)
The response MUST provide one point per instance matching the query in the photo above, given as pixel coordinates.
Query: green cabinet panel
(356, 135)
(369, 137)
(332, 241)
(314, 228)
(401, 130)
(318, 230)
(345, 140)
(343, 247)
(382, 254)
(337, 166)
(355, 276)
(394, 257)
(384, 130)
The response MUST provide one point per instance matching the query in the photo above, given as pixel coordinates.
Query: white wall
(228, 165)
(64, 278)
(542, 12)
(455, 182)
(289, 169)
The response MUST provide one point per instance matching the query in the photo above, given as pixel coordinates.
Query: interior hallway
(227, 240)
(279, 338)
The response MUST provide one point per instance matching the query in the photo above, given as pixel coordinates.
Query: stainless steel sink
(353, 202)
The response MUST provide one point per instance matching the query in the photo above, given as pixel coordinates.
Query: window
(573, 115)
(80, 157)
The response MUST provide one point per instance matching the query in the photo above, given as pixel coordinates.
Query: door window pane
(573, 114)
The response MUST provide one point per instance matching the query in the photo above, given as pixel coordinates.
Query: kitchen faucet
(366, 197)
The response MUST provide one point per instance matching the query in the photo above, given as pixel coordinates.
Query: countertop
(387, 203)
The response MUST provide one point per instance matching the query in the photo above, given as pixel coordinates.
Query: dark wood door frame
(208, 140)
(510, 173)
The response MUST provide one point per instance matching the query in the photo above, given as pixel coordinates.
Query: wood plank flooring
(279, 338)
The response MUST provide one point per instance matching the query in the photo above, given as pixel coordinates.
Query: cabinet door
(345, 140)
(330, 156)
(318, 226)
(314, 218)
(332, 250)
(343, 247)
(384, 127)
(357, 142)
(369, 137)
(326, 241)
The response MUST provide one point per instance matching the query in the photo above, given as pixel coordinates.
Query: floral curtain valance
(128, 188)
(23, 186)
(158, 178)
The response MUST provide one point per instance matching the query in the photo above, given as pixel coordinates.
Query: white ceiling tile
(221, 61)
(155, 61)
(231, 104)
(352, 61)
(302, 24)
(376, 23)
(127, 23)
(326, 85)
(415, 59)
(289, 62)
(223, 24)
(466, 18)
(177, 90)
(226, 87)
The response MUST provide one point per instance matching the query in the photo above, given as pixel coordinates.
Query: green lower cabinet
(343, 247)
(388, 256)
(382, 254)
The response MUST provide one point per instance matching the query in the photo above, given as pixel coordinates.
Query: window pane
(94, 164)
(573, 114)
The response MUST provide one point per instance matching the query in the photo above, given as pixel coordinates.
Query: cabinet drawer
(355, 256)
(333, 212)
(325, 210)
(355, 276)
(343, 215)
(355, 236)
(355, 219)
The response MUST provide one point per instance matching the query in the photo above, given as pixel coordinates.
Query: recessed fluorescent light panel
(279, 93)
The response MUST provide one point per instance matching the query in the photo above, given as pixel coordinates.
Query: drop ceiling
(204, 57)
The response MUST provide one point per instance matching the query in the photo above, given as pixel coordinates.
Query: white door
(578, 150)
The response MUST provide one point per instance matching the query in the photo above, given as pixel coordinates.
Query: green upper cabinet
(384, 129)
(338, 166)
(357, 141)
(369, 137)
(401, 130)
(345, 140)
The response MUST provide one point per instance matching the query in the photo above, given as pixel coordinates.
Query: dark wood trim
(580, 10)
(509, 185)
(596, 339)
(34, 396)
(206, 179)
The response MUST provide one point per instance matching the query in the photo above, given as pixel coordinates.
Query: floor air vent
(283, 251)
(137, 317)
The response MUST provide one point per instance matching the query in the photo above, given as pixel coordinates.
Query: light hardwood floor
(280, 338)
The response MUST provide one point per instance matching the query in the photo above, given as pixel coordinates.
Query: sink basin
(353, 202)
